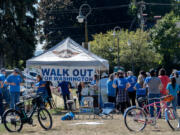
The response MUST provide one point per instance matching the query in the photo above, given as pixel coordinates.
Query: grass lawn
(109, 127)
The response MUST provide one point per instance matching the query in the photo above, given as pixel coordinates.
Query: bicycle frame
(163, 107)
(26, 118)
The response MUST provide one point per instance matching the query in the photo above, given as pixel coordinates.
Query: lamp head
(114, 33)
(80, 18)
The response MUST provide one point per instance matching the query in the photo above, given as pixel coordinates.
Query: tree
(165, 38)
(137, 53)
(59, 18)
(17, 32)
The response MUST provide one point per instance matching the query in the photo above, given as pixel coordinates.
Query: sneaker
(178, 126)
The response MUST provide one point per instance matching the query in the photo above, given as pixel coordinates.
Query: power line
(95, 25)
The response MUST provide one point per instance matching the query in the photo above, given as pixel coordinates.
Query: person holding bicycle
(41, 87)
(154, 86)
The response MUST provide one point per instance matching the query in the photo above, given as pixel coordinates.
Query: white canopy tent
(68, 53)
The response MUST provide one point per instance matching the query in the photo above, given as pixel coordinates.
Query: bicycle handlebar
(158, 97)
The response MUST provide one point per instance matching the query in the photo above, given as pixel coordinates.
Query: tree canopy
(165, 38)
(17, 31)
(136, 52)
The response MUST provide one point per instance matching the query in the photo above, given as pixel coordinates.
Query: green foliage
(17, 31)
(165, 38)
(137, 53)
(60, 18)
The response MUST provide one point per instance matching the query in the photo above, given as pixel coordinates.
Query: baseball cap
(16, 70)
(3, 70)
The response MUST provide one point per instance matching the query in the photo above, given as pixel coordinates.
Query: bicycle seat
(20, 104)
(142, 99)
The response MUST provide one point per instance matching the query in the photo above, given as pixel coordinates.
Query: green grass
(2, 129)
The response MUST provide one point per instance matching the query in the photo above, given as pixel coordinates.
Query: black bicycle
(15, 119)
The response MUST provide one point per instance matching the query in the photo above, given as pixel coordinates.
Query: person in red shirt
(165, 80)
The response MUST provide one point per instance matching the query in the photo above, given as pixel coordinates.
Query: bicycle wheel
(44, 118)
(12, 121)
(172, 118)
(135, 119)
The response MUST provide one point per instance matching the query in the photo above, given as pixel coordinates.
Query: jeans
(5, 93)
(132, 97)
(1, 105)
(151, 108)
(14, 98)
(65, 98)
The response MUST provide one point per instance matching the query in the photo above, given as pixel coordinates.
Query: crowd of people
(10, 89)
(124, 89)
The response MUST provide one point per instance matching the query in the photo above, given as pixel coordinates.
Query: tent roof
(68, 53)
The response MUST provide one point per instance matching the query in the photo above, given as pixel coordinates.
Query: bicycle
(15, 119)
(136, 118)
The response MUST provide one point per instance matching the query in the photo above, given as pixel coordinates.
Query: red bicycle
(136, 118)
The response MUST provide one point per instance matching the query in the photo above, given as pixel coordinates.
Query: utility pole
(140, 14)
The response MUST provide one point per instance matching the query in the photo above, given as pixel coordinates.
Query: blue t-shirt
(41, 89)
(2, 78)
(14, 79)
(172, 91)
(64, 87)
(111, 91)
(120, 83)
(132, 80)
(139, 90)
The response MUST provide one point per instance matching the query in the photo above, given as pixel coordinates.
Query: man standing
(5, 91)
(64, 85)
(154, 86)
(14, 80)
(131, 92)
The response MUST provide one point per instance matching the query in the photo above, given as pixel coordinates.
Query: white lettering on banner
(75, 74)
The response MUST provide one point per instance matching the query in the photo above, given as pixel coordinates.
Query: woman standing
(164, 80)
(173, 89)
(177, 77)
(122, 95)
(111, 92)
(140, 91)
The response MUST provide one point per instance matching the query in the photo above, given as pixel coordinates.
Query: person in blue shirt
(111, 92)
(173, 89)
(1, 100)
(64, 85)
(14, 80)
(132, 93)
(5, 91)
(122, 84)
(140, 91)
(41, 87)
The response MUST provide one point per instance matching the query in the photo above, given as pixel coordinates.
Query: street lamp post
(83, 18)
(132, 55)
(118, 29)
